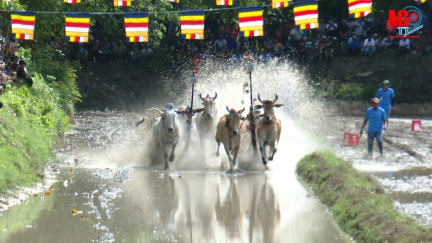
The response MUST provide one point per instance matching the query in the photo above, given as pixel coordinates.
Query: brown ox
(205, 121)
(227, 132)
(268, 129)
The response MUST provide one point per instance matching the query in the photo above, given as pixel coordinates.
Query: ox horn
(276, 98)
(214, 98)
(228, 109)
(201, 97)
(155, 109)
(259, 98)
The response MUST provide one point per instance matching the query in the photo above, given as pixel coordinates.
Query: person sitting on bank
(4, 79)
(386, 96)
(377, 119)
(22, 74)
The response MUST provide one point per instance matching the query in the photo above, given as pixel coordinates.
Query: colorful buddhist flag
(136, 26)
(420, 1)
(73, 1)
(306, 14)
(251, 21)
(224, 2)
(23, 24)
(280, 3)
(77, 27)
(7, 1)
(192, 24)
(123, 3)
(173, 1)
(359, 8)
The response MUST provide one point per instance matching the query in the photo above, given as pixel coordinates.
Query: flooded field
(405, 171)
(110, 197)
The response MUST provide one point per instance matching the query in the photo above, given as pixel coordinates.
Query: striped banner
(280, 3)
(136, 26)
(77, 27)
(224, 2)
(23, 25)
(123, 3)
(73, 1)
(420, 1)
(7, 1)
(306, 14)
(192, 24)
(359, 8)
(173, 1)
(251, 21)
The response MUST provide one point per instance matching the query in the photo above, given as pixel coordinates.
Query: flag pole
(249, 68)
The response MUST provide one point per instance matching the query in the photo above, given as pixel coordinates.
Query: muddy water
(159, 206)
(117, 197)
(405, 172)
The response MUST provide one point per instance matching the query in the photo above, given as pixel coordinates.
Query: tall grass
(31, 121)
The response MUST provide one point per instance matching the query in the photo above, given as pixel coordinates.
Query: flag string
(159, 12)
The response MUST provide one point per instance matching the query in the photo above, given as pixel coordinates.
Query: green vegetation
(358, 203)
(33, 118)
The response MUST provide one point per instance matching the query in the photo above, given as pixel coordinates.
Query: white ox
(166, 131)
(205, 121)
(228, 133)
(268, 129)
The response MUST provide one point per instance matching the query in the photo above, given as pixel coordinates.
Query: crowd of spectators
(282, 40)
(343, 38)
(12, 70)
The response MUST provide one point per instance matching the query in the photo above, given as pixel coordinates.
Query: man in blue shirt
(377, 124)
(386, 96)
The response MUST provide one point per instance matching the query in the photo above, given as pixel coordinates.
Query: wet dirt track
(405, 171)
(106, 193)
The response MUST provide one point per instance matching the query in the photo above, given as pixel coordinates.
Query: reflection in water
(196, 207)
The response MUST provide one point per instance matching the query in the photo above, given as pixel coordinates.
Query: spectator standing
(343, 30)
(135, 56)
(119, 51)
(358, 28)
(234, 31)
(377, 120)
(386, 96)
(146, 52)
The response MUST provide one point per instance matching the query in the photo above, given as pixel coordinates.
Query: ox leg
(172, 156)
(217, 151)
(235, 153)
(263, 152)
(165, 154)
(272, 151)
(229, 159)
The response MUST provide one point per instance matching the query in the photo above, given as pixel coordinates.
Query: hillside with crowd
(335, 38)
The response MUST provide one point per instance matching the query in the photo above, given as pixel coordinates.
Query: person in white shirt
(404, 46)
(220, 43)
(369, 46)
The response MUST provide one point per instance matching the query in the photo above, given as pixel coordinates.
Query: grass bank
(32, 119)
(359, 204)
